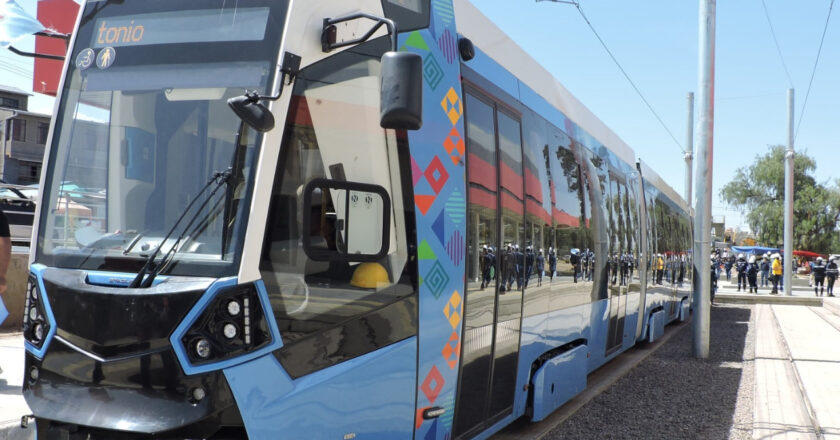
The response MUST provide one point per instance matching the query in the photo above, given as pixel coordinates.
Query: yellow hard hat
(370, 276)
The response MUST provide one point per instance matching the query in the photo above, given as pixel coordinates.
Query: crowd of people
(766, 271)
(748, 270)
(519, 268)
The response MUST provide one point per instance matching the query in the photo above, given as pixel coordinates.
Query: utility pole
(788, 269)
(689, 149)
(703, 193)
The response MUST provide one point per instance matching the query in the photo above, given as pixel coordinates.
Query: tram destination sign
(202, 26)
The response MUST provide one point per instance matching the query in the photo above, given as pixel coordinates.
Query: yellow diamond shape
(452, 106)
(455, 300)
(454, 319)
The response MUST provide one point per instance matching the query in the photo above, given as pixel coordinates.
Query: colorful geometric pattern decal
(453, 311)
(425, 252)
(438, 228)
(436, 175)
(456, 248)
(452, 106)
(447, 401)
(432, 71)
(416, 41)
(437, 279)
(452, 350)
(448, 45)
(415, 172)
(423, 202)
(432, 434)
(444, 10)
(454, 145)
(432, 385)
(439, 179)
(455, 207)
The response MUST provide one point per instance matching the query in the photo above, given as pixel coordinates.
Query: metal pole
(689, 149)
(705, 150)
(788, 269)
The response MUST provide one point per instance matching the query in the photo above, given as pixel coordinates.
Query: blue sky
(656, 43)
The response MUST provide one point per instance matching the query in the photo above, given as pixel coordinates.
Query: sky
(656, 43)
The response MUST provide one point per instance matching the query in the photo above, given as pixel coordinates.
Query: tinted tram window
(485, 259)
(567, 215)
(482, 176)
(354, 305)
(509, 309)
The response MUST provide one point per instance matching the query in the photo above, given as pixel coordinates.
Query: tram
(321, 219)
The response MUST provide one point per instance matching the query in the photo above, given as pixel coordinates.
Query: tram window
(567, 215)
(332, 132)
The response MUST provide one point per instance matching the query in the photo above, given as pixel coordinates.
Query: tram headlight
(35, 324)
(202, 348)
(233, 308)
(229, 330)
(233, 323)
(39, 331)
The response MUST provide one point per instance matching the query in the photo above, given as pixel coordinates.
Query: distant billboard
(60, 16)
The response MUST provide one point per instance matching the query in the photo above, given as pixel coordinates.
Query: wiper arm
(141, 280)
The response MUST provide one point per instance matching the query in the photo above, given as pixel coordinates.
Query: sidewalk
(797, 351)
(12, 404)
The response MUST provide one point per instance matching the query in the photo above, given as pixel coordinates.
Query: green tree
(758, 191)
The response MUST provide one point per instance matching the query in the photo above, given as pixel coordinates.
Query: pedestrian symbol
(105, 58)
(84, 59)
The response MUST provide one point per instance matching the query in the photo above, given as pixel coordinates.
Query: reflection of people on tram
(659, 266)
(529, 265)
(574, 259)
(552, 262)
(540, 267)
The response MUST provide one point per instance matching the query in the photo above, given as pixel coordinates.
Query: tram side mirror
(347, 221)
(401, 97)
(250, 110)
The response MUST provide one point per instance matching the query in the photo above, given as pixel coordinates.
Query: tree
(758, 191)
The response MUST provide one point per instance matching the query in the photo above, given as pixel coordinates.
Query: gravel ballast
(672, 395)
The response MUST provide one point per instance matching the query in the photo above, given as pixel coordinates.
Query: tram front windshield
(142, 127)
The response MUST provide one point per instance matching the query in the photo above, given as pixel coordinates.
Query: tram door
(496, 234)
(618, 266)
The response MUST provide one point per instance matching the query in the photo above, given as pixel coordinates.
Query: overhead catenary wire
(775, 40)
(813, 71)
(624, 72)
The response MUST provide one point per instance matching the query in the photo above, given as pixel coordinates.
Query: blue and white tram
(406, 228)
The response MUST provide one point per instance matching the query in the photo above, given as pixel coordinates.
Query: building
(23, 137)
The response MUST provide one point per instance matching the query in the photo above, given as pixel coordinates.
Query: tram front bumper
(146, 394)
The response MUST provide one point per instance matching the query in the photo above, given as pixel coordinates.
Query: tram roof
(491, 40)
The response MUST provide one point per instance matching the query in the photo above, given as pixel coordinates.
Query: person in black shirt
(741, 268)
(714, 282)
(752, 274)
(819, 277)
(831, 272)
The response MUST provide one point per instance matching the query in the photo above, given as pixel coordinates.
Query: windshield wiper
(150, 268)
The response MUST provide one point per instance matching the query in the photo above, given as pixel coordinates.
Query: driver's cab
(336, 242)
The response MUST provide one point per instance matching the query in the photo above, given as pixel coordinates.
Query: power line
(15, 71)
(814, 71)
(609, 52)
(778, 48)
